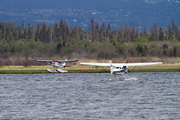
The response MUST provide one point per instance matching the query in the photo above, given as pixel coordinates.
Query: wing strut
(132, 68)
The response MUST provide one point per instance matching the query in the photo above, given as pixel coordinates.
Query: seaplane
(57, 64)
(121, 68)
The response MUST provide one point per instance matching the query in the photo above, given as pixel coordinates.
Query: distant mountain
(79, 12)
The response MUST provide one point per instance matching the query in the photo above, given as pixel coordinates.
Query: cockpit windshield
(118, 67)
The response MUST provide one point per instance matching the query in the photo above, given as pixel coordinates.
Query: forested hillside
(100, 42)
(78, 12)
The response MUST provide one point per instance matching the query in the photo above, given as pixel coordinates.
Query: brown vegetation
(59, 41)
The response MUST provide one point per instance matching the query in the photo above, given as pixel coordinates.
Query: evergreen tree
(43, 33)
(63, 30)
(30, 34)
(20, 34)
(68, 33)
(92, 27)
(145, 33)
(15, 34)
(108, 30)
(123, 31)
(97, 30)
(152, 35)
(176, 28)
(137, 32)
(173, 29)
(37, 36)
(174, 52)
(156, 32)
(59, 46)
(56, 32)
(169, 32)
(128, 33)
(48, 34)
(25, 33)
(7, 34)
(161, 34)
(119, 37)
(133, 34)
(75, 33)
(51, 33)
(103, 32)
(85, 35)
(178, 35)
(164, 52)
(3, 31)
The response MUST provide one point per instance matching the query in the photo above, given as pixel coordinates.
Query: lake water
(75, 96)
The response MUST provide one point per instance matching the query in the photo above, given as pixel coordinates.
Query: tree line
(62, 32)
(98, 42)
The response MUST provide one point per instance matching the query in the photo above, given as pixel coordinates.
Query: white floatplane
(57, 64)
(121, 68)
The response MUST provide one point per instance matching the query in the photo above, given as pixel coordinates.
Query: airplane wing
(65, 61)
(44, 60)
(121, 64)
(96, 64)
(59, 61)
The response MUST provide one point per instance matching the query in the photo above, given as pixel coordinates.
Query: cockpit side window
(124, 66)
(118, 67)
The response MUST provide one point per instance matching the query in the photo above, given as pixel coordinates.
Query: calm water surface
(90, 96)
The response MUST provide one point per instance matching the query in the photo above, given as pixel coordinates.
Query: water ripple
(89, 96)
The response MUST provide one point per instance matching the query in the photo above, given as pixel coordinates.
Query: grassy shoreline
(86, 69)
(75, 71)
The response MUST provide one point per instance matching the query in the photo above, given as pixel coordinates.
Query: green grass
(22, 71)
(80, 71)
(159, 70)
(86, 69)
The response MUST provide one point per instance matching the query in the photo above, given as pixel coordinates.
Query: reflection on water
(89, 96)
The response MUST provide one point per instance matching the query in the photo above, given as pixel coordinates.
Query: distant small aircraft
(121, 68)
(57, 64)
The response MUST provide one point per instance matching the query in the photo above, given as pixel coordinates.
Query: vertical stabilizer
(111, 67)
(64, 65)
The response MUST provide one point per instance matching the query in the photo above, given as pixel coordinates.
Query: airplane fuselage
(119, 70)
(58, 65)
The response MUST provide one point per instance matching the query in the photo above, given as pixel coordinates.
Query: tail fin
(111, 67)
(64, 65)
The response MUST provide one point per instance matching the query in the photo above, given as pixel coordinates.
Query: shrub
(100, 55)
(141, 40)
(31, 40)
(173, 40)
(165, 46)
(59, 46)
(67, 50)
